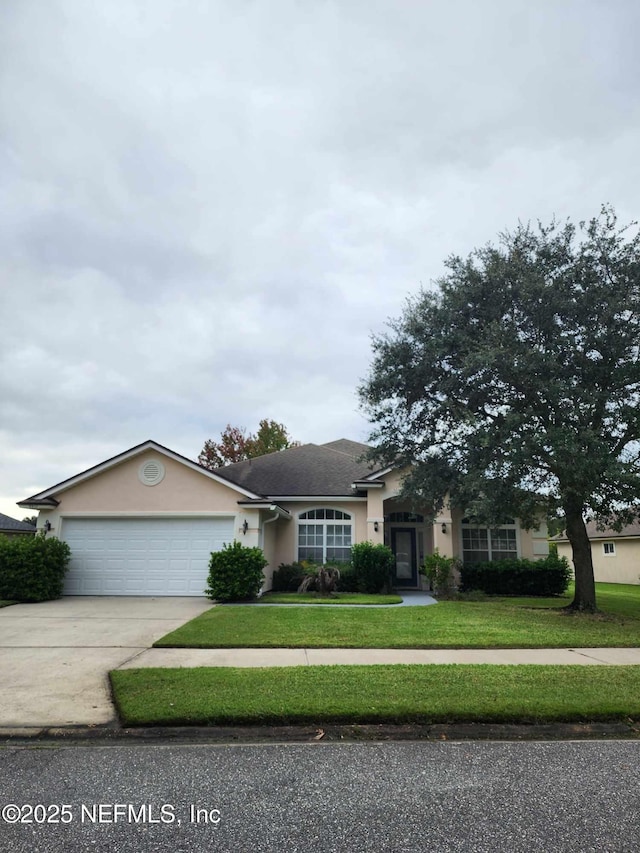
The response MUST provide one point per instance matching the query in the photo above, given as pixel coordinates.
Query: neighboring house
(145, 521)
(616, 556)
(12, 527)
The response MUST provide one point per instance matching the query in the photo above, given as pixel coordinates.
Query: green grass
(614, 599)
(491, 623)
(339, 598)
(4, 603)
(375, 694)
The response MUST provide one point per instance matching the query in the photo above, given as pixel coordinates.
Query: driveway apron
(55, 655)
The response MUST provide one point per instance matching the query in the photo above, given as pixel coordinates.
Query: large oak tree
(517, 381)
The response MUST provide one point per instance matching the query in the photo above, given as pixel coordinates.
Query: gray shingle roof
(15, 526)
(355, 449)
(608, 533)
(310, 469)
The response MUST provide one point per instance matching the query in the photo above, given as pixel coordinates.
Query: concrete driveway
(55, 656)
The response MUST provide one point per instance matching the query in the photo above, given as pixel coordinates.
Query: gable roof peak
(46, 497)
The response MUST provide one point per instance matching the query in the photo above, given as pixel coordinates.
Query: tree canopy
(516, 381)
(235, 445)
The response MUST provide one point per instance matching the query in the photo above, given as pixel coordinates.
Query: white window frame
(489, 530)
(610, 553)
(346, 521)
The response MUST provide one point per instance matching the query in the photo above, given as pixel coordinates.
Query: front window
(324, 535)
(482, 544)
(609, 549)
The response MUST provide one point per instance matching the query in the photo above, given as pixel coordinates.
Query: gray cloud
(210, 206)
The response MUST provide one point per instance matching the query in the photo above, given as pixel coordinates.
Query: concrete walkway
(410, 598)
(327, 657)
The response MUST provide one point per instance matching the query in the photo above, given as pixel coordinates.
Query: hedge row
(32, 568)
(550, 576)
(288, 576)
(370, 571)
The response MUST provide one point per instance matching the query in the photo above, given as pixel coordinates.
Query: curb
(185, 735)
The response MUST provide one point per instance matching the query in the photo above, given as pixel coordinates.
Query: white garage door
(142, 556)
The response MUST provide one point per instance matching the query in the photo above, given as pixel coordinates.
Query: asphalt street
(416, 796)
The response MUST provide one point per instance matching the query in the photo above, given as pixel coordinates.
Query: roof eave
(358, 485)
(260, 504)
(38, 503)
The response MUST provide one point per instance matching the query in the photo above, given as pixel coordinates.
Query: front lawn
(375, 694)
(491, 623)
(337, 598)
(6, 603)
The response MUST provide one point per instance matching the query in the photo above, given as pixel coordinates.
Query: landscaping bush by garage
(235, 573)
(546, 577)
(373, 566)
(32, 568)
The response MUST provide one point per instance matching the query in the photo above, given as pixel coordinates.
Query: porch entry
(403, 545)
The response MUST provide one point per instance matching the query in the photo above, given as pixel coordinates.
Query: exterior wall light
(444, 527)
(245, 527)
(376, 526)
(47, 526)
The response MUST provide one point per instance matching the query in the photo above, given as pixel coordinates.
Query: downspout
(268, 521)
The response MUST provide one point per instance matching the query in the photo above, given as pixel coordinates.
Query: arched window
(324, 535)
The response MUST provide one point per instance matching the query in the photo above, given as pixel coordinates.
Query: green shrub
(348, 579)
(235, 573)
(441, 573)
(546, 577)
(288, 577)
(373, 566)
(32, 568)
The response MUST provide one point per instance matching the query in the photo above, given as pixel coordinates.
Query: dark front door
(403, 545)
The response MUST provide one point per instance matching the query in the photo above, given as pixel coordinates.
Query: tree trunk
(585, 593)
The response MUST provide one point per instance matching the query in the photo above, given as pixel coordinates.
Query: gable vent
(151, 472)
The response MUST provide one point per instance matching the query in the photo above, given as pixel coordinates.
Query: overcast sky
(209, 206)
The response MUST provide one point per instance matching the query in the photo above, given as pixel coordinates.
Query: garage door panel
(143, 556)
(91, 587)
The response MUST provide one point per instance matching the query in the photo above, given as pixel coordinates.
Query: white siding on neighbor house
(142, 556)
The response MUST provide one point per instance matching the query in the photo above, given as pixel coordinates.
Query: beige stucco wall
(375, 505)
(534, 544)
(119, 490)
(622, 567)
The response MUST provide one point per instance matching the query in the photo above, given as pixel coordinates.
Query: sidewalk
(327, 657)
